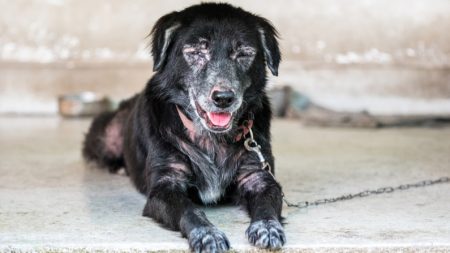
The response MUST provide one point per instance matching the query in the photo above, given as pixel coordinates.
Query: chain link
(366, 193)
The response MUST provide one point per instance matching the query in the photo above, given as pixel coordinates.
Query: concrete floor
(50, 201)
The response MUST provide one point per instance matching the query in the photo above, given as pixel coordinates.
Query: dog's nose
(223, 99)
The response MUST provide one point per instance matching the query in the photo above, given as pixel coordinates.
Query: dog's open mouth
(217, 121)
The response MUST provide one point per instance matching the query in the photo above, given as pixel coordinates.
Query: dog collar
(243, 129)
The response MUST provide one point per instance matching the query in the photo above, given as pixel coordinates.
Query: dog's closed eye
(244, 55)
(197, 54)
(243, 52)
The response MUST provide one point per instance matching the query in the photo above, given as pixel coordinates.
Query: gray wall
(385, 56)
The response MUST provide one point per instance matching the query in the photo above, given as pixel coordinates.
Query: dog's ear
(162, 35)
(268, 35)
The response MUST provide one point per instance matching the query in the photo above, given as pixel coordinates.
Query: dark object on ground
(291, 104)
(413, 121)
(182, 139)
(83, 104)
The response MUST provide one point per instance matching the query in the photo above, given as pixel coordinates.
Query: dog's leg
(262, 196)
(169, 204)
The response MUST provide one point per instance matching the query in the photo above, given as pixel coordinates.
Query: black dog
(182, 139)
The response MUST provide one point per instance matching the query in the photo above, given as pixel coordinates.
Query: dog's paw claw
(208, 239)
(266, 234)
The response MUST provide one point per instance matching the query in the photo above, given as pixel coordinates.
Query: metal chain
(252, 146)
(366, 193)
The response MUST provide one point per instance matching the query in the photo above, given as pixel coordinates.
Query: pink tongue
(219, 118)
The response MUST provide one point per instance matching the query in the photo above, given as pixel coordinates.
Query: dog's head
(214, 56)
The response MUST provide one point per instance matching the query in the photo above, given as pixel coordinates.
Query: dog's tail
(103, 144)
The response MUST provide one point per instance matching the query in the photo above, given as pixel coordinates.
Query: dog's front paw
(208, 239)
(266, 234)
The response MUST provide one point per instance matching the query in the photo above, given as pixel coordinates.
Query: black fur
(203, 49)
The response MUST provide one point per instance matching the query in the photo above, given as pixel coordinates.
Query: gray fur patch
(266, 234)
(253, 181)
(210, 166)
(208, 239)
